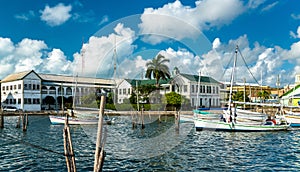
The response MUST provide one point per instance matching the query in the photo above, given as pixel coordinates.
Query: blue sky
(53, 36)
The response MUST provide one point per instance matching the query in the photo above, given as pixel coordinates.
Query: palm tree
(158, 69)
(263, 95)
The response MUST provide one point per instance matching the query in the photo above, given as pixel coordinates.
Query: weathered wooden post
(2, 119)
(99, 153)
(177, 119)
(19, 121)
(25, 121)
(142, 116)
(133, 118)
(68, 148)
(159, 116)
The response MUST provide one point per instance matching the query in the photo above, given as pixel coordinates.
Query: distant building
(185, 84)
(291, 94)
(202, 91)
(30, 91)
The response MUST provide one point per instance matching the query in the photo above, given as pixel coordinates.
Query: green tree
(239, 96)
(157, 69)
(173, 100)
(263, 95)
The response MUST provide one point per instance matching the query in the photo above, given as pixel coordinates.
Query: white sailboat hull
(72, 121)
(249, 115)
(293, 118)
(217, 125)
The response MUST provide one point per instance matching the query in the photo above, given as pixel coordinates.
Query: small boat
(206, 114)
(250, 115)
(186, 118)
(73, 120)
(293, 118)
(218, 125)
(229, 121)
(80, 121)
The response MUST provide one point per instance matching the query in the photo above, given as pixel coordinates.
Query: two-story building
(30, 91)
(202, 93)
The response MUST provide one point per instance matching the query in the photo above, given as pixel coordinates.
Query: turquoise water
(158, 147)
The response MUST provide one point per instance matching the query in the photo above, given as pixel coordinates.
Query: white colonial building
(30, 91)
(202, 91)
(208, 94)
(22, 90)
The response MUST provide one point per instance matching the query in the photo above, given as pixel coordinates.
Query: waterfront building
(291, 95)
(30, 91)
(202, 91)
(184, 84)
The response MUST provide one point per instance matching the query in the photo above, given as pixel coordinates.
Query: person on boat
(71, 112)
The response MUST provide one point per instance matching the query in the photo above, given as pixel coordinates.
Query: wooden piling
(19, 121)
(177, 119)
(25, 121)
(99, 153)
(2, 119)
(142, 116)
(68, 148)
(133, 120)
(159, 117)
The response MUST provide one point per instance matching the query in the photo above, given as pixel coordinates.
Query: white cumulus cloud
(100, 51)
(176, 21)
(57, 15)
(31, 54)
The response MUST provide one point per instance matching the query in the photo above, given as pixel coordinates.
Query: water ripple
(158, 147)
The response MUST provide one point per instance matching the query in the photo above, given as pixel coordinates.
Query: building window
(19, 101)
(3, 88)
(208, 89)
(37, 86)
(15, 87)
(193, 89)
(52, 90)
(11, 87)
(124, 91)
(128, 90)
(19, 86)
(120, 91)
(69, 91)
(185, 88)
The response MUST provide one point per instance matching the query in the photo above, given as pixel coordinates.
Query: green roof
(290, 91)
(195, 78)
(147, 82)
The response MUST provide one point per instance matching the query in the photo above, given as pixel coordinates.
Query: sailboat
(228, 121)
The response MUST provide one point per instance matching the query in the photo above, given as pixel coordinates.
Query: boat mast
(115, 71)
(198, 91)
(232, 79)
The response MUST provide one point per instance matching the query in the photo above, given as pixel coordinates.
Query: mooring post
(19, 121)
(99, 153)
(142, 115)
(159, 117)
(68, 148)
(133, 120)
(24, 122)
(2, 119)
(177, 119)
